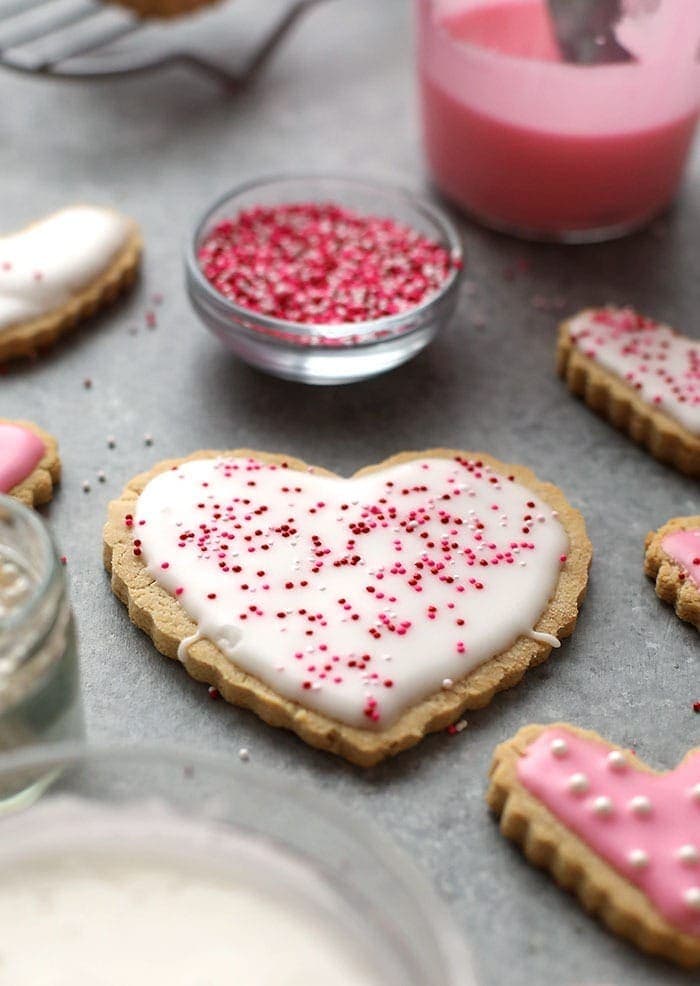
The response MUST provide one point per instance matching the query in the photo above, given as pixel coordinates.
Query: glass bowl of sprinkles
(325, 280)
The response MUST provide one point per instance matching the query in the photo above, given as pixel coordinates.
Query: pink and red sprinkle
(321, 264)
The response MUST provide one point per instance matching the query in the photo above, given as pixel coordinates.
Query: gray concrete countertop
(340, 97)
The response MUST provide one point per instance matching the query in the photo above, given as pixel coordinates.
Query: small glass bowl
(151, 798)
(334, 353)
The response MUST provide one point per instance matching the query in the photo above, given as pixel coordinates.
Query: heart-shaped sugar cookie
(368, 610)
(625, 838)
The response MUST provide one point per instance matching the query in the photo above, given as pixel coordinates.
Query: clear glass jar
(532, 143)
(130, 807)
(39, 682)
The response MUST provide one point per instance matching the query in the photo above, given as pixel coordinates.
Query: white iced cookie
(641, 375)
(60, 270)
(361, 613)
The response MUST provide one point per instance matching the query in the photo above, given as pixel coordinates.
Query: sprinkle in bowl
(323, 279)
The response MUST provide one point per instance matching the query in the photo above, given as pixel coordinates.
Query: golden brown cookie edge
(162, 9)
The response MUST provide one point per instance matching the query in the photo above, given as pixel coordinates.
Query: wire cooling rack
(88, 39)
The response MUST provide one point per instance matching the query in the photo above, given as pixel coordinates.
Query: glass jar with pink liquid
(550, 142)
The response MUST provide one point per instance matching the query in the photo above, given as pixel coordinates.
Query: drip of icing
(684, 548)
(658, 362)
(20, 452)
(357, 597)
(44, 265)
(649, 821)
(544, 638)
(183, 647)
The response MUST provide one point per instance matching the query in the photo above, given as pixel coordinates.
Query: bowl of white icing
(145, 866)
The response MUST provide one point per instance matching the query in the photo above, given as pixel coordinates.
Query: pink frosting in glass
(646, 826)
(20, 453)
(684, 548)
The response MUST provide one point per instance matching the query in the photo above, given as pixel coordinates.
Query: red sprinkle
(696, 706)
(320, 263)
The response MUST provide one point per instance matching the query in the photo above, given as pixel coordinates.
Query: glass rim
(50, 563)
(464, 47)
(309, 330)
(400, 867)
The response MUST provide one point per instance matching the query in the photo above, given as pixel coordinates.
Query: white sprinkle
(101, 477)
(86, 487)
(602, 805)
(111, 442)
(616, 760)
(689, 855)
(577, 784)
(559, 747)
(462, 724)
(692, 898)
(244, 754)
(447, 682)
(694, 792)
(638, 858)
(640, 805)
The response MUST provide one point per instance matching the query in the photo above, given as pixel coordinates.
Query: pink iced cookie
(684, 548)
(29, 463)
(645, 825)
(20, 453)
(672, 559)
(625, 838)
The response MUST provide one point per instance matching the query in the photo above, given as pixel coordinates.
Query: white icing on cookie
(660, 363)
(357, 597)
(44, 265)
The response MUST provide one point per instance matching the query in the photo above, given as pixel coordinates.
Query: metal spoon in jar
(584, 30)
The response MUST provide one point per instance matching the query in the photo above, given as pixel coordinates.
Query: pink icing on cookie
(20, 453)
(684, 548)
(646, 826)
(658, 362)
